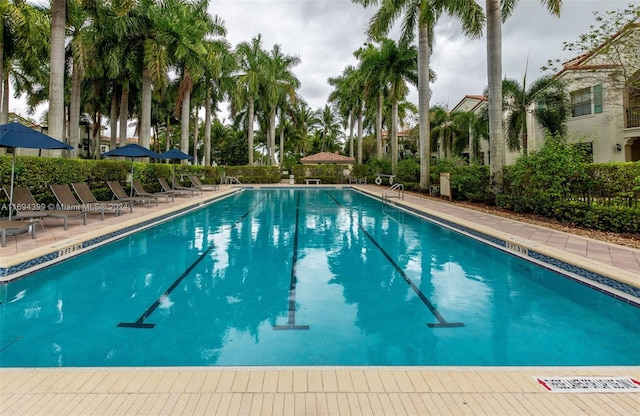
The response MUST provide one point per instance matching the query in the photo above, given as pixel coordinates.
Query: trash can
(292, 180)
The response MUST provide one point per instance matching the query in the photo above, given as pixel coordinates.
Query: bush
(468, 182)
(408, 171)
(537, 181)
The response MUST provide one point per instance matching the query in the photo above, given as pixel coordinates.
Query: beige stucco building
(603, 88)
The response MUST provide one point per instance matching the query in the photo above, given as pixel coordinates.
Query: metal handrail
(395, 187)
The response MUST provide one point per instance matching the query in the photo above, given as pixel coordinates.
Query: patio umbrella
(133, 151)
(13, 135)
(175, 154)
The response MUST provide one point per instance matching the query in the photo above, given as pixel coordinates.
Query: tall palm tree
(279, 83)
(304, 121)
(400, 69)
(219, 66)
(250, 56)
(423, 15)
(372, 67)
(329, 129)
(56, 78)
(495, 16)
(348, 96)
(518, 102)
(184, 26)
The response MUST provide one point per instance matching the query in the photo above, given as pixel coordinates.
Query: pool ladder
(396, 187)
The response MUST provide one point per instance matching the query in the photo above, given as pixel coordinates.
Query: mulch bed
(628, 240)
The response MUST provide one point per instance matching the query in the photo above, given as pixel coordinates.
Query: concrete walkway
(321, 390)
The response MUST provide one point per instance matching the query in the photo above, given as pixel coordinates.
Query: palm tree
(329, 129)
(348, 95)
(184, 26)
(250, 58)
(219, 66)
(372, 67)
(56, 78)
(279, 82)
(400, 68)
(451, 130)
(423, 15)
(518, 101)
(495, 17)
(304, 121)
(24, 39)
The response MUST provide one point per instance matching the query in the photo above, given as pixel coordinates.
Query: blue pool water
(307, 277)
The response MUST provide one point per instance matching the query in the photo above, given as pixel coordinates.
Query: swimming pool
(308, 277)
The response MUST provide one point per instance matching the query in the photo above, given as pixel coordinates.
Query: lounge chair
(182, 188)
(167, 188)
(16, 227)
(27, 207)
(197, 184)
(229, 180)
(140, 191)
(122, 196)
(68, 202)
(86, 196)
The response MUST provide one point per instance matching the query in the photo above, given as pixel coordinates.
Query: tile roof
(327, 157)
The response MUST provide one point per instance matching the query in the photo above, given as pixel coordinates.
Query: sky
(325, 33)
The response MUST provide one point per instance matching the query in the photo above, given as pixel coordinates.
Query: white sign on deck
(589, 384)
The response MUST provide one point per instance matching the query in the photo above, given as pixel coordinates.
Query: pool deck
(319, 390)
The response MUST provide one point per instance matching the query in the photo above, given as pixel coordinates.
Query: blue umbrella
(175, 154)
(13, 135)
(132, 150)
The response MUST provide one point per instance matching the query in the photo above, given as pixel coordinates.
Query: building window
(581, 102)
(597, 99)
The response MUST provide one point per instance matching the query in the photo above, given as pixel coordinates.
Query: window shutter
(597, 98)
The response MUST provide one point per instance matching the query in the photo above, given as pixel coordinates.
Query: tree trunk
(184, 123)
(4, 115)
(74, 113)
(56, 75)
(379, 127)
(352, 121)
(394, 137)
(250, 130)
(195, 137)
(281, 154)
(360, 116)
(145, 110)
(167, 144)
(97, 121)
(272, 137)
(207, 130)
(4, 92)
(124, 114)
(494, 72)
(423, 106)
(114, 120)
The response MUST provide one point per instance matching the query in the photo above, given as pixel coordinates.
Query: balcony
(632, 117)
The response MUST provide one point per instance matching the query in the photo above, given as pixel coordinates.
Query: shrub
(537, 181)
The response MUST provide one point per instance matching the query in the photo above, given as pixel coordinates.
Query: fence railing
(633, 117)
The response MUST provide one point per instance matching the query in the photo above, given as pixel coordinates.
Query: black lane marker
(140, 322)
(291, 323)
(442, 323)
